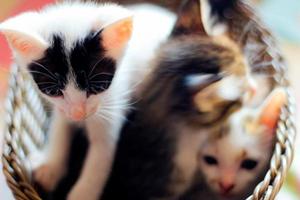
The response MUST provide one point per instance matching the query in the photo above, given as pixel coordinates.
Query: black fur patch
(50, 72)
(143, 163)
(93, 71)
(222, 8)
(87, 61)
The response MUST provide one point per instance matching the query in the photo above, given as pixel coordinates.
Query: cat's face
(73, 60)
(234, 161)
(231, 164)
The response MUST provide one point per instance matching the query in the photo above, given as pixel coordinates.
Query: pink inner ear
(271, 112)
(23, 47)
(115, 36)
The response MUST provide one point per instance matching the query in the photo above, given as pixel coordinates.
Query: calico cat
(232, 163)
(73, 51)
(199, 78)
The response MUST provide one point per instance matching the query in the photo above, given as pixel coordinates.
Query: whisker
(110, 114)
(43, 83)
(115, 107)
(44, 74)
(42, 66)
(49, 87)
(100, 82)
(108, 119)
(93, 68)
(102, 73)
(127, 93)
(120, 103)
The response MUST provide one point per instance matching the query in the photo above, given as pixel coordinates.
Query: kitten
(73, 51)
(199, 78)
(232, 163)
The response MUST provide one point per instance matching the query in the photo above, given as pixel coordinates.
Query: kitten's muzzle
(78, 113)
(226, 187)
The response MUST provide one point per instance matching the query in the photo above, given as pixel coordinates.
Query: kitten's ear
(204, 17)
(28, 46)
(270, 110)
(116, 36)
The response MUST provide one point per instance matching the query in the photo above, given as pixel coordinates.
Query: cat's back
(152, 27)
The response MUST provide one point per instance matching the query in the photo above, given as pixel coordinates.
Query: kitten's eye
(54, 92)
(96, 87)
(210, 160)
(249, 164)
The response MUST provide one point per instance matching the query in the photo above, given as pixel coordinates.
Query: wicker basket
(26, 124)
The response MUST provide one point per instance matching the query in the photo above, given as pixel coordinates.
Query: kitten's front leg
(50, 172)
(97, 164)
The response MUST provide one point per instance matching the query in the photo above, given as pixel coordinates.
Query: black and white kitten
(200, 77)
(74, 53)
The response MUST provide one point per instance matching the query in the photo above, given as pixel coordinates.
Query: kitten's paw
(83, 191)
(47, 176)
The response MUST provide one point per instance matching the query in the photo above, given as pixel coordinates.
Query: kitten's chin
(227, 196)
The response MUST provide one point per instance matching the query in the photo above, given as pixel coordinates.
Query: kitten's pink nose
(78, 113)
(226, 187)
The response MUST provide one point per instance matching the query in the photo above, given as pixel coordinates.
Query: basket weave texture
(26, 124)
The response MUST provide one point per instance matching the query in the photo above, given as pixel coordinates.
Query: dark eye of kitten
(55, 92)
(48, 82)
(210, 160)
(249, 164)
(98, 83)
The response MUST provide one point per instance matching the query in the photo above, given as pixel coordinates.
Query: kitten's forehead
(236, 143)
(74, 21)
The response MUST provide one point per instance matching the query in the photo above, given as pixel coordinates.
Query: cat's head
(71, 51)
(208, 71)
(234, 160)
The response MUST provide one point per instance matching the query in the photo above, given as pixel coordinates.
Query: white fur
(197, 79)
(232, 87)
(152, 25)
(210, 23)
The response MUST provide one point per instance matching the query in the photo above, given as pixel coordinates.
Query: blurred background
(282, 16)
